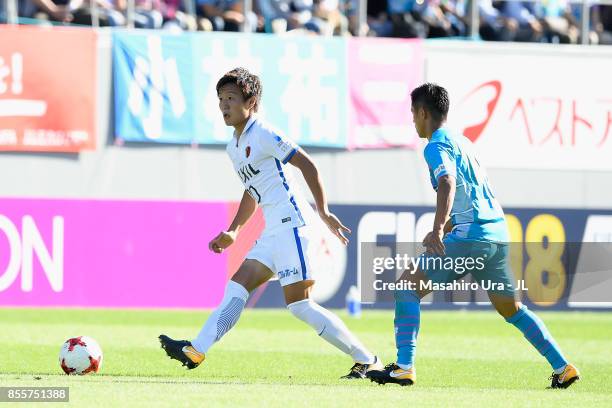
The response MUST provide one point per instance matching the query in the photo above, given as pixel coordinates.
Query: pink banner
(110, 253)
(382, 73)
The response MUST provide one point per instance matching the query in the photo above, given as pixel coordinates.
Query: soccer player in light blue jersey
(469, 223)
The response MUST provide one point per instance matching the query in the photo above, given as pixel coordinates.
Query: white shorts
(288, 253)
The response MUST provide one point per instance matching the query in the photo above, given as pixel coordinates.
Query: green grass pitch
(273, 360)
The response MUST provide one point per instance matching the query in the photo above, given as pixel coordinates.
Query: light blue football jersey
(475, 214)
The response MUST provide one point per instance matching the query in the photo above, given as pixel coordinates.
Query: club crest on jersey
(247, 151)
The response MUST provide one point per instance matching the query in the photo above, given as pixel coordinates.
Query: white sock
(559, 370)
(404, 366)
(332, 329)
(223, 318)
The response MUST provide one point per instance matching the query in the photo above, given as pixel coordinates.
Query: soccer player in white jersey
(261, 156)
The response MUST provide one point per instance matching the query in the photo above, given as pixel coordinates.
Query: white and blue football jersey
(259, 157)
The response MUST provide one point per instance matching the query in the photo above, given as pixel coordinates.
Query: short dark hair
(249, 84)
(433, 98)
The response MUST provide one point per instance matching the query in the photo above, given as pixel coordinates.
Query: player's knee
(504, 303)
(507, 309)
(251, 275)
(244, 281)
(297, 291)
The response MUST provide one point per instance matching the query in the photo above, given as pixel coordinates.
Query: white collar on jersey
(251, 120)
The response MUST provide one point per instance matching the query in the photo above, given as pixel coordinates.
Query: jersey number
(253, 192)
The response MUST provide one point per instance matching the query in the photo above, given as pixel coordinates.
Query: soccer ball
(80, 355)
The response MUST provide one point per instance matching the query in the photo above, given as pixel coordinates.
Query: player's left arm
(285, 150)
(302, 161)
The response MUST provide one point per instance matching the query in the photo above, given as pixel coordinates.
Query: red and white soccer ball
(80, 355)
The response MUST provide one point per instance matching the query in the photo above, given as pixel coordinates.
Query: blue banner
(165, 86)
(152, 85)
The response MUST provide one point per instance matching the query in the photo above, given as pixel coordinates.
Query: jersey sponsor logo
(288, 272)
(282, 145)
(247, 172)
(284, 220)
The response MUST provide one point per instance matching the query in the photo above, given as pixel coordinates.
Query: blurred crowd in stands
(524, 21)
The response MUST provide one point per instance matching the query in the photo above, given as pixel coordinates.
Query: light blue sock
(538, 335)
(407, 321)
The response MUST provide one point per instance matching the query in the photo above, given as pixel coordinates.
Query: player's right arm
(246, 209)
(444, 171)
(448, 227)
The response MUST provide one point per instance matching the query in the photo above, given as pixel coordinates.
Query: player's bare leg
(330, 327)
(506, 306)
(249, 276)
(298, 291)
(252, 274)
(535, 331)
